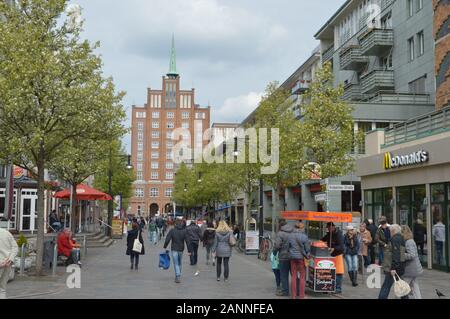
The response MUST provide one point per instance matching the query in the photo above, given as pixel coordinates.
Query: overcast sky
(228, 50)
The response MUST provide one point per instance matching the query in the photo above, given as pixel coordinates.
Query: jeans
(439, 251)
(193, 249)
(285, 268)
(298, 266)
(134, 257)
(276, 272)
(153, 237)
(339, 283)
(386, 288)
(352, 262)
(372, 254)
(208, 253)
(226, 267)
(366, 261)
(381, 255)
(177, 257)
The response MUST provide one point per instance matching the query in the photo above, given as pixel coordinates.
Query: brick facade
(442, 38)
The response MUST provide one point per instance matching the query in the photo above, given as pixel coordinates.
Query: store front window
(440, 211)
(412, 211)
(378, 203)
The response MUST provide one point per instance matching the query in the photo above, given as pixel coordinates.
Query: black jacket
(394, 255)
(419, 233)
(373, 232)
(193, 233)
(208, 237)
(132, 235)
(178, 238)
(336, 242)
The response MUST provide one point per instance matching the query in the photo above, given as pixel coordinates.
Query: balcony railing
(352, 92)
(328, 54)
(425, 125)
(385, 4)
(376, 42)
(377, 80)
(351, 58)
(400, 98)
(301, 87)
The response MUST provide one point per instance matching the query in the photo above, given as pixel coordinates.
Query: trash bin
(49, 247)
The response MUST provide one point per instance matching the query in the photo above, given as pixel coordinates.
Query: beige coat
(366, 239)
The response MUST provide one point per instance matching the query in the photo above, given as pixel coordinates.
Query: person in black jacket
(131, 237)
(209, 236)
(372, 228)
(177, 236)
(394, 261)
(335, 243)
(420, 233)
(193, 236)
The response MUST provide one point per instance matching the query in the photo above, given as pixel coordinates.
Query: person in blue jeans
(281, 249)
(177, 236)
(351, 250)
(382, 238)
(276, 271)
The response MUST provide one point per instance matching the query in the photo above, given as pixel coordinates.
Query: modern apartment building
(153, 125)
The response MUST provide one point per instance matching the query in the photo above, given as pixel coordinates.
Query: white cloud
(235, 109)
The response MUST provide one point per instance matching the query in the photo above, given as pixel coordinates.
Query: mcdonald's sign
(415, 158)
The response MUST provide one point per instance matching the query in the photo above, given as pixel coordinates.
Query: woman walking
(351, 250)
(365, 240)
(413, 267)
(208, 241)
(222, 249)
(152, 232)
(132, 236)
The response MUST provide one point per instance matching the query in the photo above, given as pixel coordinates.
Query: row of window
(153, 176)
(155, 125)
(154, 192)
(155, 165)
(169, 155)
(414, 6)
(420, 38)
(170, 115)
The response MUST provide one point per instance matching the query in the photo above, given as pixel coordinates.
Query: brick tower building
(152, 128)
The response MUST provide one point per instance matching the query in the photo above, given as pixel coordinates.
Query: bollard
(55, 259)
(84, 247)
(22, 259)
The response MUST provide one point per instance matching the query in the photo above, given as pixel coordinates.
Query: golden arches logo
(387, 161)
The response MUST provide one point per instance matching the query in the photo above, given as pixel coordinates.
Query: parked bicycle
(240, 244)
(265, 247)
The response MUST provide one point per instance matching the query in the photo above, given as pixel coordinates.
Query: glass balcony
(351, 58)
(376, 42)
(377, 80)
(301, 87)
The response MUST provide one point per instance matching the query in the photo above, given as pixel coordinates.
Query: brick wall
(442, 38)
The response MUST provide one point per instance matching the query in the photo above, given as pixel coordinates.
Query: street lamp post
(110, 191)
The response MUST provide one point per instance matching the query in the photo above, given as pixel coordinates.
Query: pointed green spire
(173, 60)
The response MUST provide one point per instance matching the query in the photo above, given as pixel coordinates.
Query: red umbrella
(84, 192)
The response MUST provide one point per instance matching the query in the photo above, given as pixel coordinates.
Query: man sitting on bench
(67, 247)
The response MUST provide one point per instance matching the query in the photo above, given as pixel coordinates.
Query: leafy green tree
(122, 177)
(51, 90)
(274, 111)
(328, 126)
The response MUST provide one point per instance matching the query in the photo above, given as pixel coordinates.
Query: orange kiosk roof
(335, 217)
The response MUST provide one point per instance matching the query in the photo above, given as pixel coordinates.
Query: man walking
(281, 247)
(177, 236)
(193, 235)
(8, 251)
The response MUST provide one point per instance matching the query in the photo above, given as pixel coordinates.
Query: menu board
(325, 280)
(117, 228)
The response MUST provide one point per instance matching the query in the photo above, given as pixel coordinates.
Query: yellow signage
(391, 162)
(117, 228)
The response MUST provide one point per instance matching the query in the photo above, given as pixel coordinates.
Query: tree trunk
(73, 213)
(276, 208)
(40, 213)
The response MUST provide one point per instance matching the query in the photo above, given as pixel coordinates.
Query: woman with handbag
(135, 245)
(222, 247)
(393, 261)
(413, 267)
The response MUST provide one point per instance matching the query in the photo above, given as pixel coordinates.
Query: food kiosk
(321, 273)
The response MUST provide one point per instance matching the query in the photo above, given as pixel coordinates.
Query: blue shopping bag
(164, 260)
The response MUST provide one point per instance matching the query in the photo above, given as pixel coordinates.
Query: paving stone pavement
(106, 274)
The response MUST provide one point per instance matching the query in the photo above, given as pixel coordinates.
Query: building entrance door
(28, 203)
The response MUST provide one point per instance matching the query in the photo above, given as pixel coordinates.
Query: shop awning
(335, 217)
